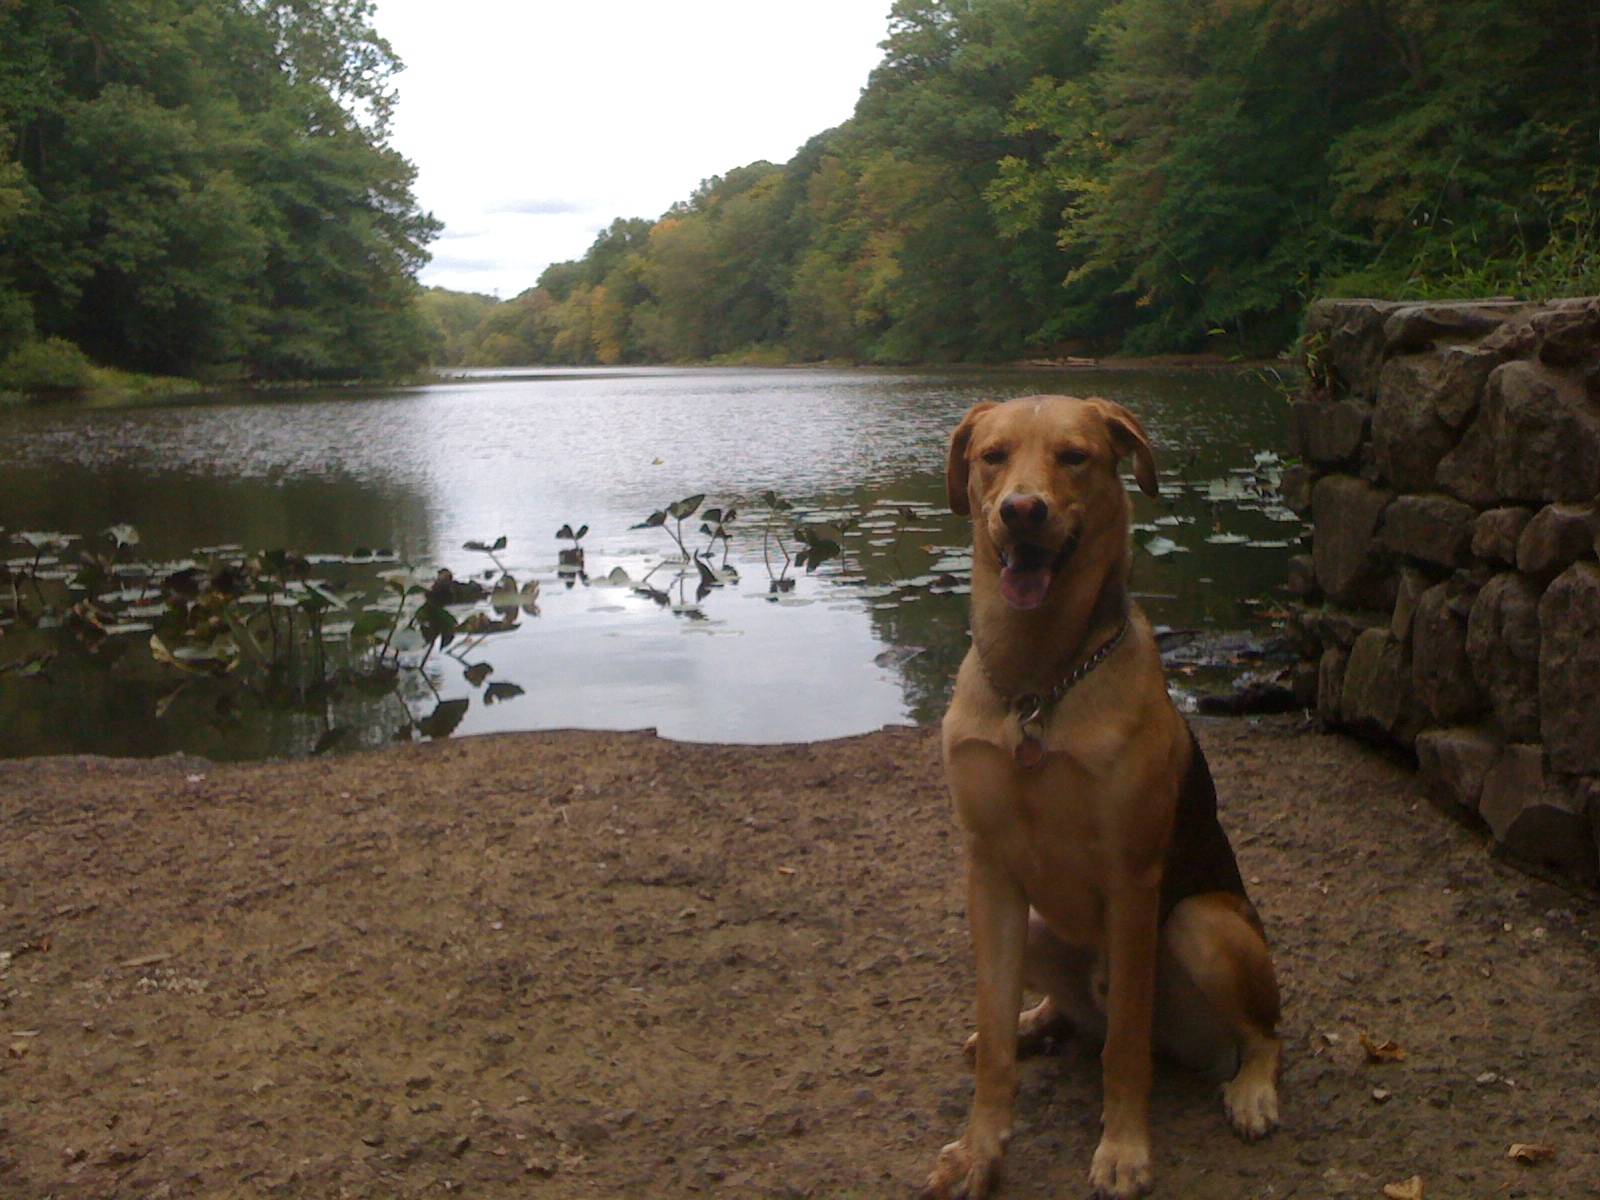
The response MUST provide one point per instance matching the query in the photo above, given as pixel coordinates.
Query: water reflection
(872, 637)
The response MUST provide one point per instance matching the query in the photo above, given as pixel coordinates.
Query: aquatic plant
(678, 512)
(570, 558)
(274, 628)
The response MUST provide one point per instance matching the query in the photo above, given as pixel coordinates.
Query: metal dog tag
(1030, 750)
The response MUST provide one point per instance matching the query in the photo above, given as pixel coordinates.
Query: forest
(1026, 178)
(203, 189)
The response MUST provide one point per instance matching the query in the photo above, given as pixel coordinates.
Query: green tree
(208, 187)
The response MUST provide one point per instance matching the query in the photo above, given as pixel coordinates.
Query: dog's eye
(995, 458)
(1071, 458)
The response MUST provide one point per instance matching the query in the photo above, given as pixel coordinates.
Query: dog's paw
(1036, 1028)
(1120, 1170)
(1251, 1105)
(963, 1172)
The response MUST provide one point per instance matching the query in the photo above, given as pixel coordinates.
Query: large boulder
(1569, 666)
(1330, 683)
(1330, 435)
(1558, 536)
(1434, 529)
(1568, 331)
(1413, 581)
(1415, 327)
(1346, 512)
(1463, 371)
(1452, 763)
(1537, 816)
(1495, 534)
(1301, 577)
(1408, 437)
(1546, 431)
(1295, 484)
(1344, 343)
(1467, 472)
(1440, 670)
(1377, 696)
(1503, 648)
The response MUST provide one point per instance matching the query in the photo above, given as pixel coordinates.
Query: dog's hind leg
(1072, 983)
(1218, 1004)
(1067, 977)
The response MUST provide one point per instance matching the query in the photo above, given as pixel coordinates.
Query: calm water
(871, 638)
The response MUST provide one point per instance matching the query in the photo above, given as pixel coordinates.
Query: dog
(1096, 869)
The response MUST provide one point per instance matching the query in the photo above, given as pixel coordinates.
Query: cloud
(541, 208)
(455, 262)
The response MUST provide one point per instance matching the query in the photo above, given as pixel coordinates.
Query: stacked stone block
(1449, 460)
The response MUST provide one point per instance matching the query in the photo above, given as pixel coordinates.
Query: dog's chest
(1049, 825)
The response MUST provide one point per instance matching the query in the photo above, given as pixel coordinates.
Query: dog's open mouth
(1027, 570)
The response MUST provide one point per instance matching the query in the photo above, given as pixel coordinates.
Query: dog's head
(1039, 477)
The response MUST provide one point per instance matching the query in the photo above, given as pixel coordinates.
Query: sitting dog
(1097, 872)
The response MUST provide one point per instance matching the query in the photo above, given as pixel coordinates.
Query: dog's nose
(1024, 512)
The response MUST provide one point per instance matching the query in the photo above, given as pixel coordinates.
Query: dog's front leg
(1121, 1166)
(997, 913)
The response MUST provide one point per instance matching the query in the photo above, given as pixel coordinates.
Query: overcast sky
(534, 123)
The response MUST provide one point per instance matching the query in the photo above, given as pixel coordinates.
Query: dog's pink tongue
(1024, 588)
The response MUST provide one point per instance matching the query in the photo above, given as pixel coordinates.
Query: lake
(869, 638)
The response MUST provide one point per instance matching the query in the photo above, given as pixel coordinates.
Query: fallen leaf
(1411, 1189)
(1381, 1095)
(1382, 1052)
(785, 870)
(1523, 1152)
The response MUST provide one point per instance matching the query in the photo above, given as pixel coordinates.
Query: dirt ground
(597, 965)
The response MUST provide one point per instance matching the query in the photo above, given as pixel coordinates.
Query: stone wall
(1449, 460)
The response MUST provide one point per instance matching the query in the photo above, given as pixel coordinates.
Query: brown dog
(1096, 869)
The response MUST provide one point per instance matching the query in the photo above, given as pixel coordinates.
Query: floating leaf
(500, 690)
(44, 539)
(123, 535)
(505, 596)
(481, 624)
(1160, 547)
(442, 721)
(477, 673)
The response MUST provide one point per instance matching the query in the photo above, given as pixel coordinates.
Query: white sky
(534, 123)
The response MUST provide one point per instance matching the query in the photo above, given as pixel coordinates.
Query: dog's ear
(1128, 437)
(958, 469)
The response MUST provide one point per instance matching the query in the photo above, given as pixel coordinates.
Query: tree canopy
(204, 188)
(1038, 176)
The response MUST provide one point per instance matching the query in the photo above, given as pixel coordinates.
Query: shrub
(53, 365)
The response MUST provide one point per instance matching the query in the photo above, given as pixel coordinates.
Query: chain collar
(1033, 709)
